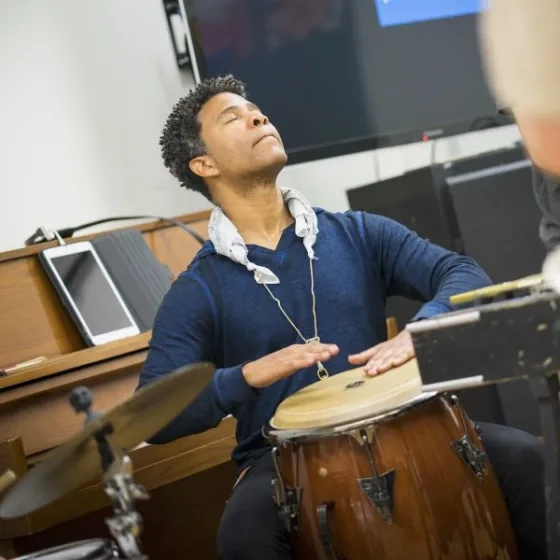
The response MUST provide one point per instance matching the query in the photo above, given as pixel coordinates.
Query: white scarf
(230, 244)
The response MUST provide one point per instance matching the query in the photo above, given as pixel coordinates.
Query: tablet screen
(91, 292)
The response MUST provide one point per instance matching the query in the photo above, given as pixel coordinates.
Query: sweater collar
(229, 243)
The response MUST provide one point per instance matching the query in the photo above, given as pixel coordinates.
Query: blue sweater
(215, 311)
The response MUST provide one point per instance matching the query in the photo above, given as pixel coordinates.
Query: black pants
(251, 530)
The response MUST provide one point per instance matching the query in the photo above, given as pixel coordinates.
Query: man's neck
(260, 215)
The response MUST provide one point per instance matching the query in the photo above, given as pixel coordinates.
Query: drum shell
(441, 509)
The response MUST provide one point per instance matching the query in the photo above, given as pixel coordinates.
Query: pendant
(322, 372)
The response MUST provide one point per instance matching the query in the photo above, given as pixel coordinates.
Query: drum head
(94, 549)
(347, 397)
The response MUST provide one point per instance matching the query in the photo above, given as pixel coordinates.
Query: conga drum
(372, 468)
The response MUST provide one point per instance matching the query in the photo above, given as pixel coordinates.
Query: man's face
(240, 141)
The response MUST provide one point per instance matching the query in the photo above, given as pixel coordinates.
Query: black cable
(484, 123)
(65, 233)
(502, 117)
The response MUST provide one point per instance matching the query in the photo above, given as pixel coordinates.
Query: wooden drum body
(410, 483)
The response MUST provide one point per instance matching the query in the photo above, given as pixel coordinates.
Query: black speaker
(412, 200)
(481, 206)
(498, 219)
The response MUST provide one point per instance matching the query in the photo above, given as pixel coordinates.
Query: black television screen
(340, 76)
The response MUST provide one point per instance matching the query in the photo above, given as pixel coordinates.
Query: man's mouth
(265, 137)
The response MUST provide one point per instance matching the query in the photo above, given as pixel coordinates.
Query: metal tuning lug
(286, 499)
(465, 448)
(378, 488)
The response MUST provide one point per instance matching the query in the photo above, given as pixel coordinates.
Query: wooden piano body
(189, 480)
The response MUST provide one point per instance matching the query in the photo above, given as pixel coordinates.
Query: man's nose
(258, 119)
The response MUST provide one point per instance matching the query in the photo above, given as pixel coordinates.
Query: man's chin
(268, 169)
(275, 159)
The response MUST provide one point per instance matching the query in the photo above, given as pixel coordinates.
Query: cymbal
(348, 396)
(77, 462)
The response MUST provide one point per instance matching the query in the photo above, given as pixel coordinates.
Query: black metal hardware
(465, 448)
(378, 488)
(287, 499)
(324, 531)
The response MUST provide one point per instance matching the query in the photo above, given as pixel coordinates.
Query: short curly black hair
(180, 140)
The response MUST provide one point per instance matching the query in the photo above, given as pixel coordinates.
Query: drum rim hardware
(378, 488)
(465, 448)
(287, 499)
(307, 434)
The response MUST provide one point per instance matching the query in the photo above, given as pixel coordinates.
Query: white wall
(86, 86)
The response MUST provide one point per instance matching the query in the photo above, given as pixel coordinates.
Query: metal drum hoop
(280, 436)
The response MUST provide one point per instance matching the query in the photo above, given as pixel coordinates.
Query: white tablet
(89, 294)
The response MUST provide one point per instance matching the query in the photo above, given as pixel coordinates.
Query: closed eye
(231, 119)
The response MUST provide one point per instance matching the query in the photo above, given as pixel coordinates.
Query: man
(282, 293)
(521, 49)
(546, 189)
(547, 194)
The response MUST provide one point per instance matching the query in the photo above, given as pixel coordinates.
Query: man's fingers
(304, 361)
(316, 348)
(381, 364)
(313, 353)
(378, 364)
(364, 356)
(320, 351)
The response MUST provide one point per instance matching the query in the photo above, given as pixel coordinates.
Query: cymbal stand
(125, 525)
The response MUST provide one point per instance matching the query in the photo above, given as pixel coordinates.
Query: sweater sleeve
(415, 268)
(184, 333)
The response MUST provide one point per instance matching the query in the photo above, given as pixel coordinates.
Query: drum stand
(125, 525)
(546, 391)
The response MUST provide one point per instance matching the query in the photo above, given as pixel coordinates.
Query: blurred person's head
(521, 50)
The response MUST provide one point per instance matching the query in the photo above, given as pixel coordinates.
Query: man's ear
(204, 167)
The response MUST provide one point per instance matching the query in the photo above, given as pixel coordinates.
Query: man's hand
(273, 367)
(386, 355)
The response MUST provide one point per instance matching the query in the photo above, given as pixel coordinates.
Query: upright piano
(189, 480)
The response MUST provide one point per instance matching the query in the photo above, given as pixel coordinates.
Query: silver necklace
(322, 372)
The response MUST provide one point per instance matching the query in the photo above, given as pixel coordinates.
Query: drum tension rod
(286, 498)
(378, 488)
(471, 455)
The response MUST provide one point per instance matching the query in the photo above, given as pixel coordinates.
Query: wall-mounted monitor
(340, 76)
